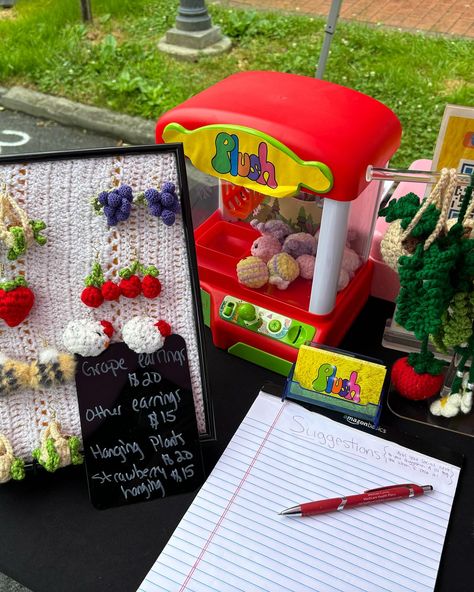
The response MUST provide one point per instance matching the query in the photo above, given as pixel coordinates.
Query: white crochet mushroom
(87, 337)
(144, 335)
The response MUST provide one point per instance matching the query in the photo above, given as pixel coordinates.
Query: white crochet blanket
(59, 193)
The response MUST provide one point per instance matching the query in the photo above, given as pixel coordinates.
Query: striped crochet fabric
(59, 193)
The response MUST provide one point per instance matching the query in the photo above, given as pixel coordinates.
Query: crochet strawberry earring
(16, 300)
(98, 290)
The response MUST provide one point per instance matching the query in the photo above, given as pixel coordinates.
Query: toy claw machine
(290, 153)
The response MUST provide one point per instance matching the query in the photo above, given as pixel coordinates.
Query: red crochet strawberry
(151, 285)
(16, 301)
(92, 295)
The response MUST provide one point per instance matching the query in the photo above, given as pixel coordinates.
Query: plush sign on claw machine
(284, 258)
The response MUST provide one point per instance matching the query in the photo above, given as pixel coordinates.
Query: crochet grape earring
(163, 204)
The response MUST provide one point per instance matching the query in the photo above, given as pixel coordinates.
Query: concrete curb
(133, 130)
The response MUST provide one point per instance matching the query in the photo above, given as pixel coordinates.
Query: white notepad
(232, 537)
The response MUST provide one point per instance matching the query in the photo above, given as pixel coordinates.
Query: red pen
(370, 496)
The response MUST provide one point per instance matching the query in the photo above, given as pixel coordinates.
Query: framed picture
(455, 148)
(95, 245)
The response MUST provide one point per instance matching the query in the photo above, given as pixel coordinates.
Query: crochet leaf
(74, 445)
(405, 207)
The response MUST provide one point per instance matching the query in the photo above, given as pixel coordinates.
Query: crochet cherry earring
(97, 289)
(130, 285)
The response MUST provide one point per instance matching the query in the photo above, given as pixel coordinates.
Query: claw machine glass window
(282, 211)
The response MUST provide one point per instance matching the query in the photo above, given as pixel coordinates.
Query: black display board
(138, 422)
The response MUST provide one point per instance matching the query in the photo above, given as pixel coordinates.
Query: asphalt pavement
(21, 133)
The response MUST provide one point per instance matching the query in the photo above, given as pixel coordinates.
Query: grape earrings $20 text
(117, 203)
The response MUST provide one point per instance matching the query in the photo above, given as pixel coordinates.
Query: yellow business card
(339, 375)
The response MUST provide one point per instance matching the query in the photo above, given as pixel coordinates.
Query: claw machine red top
(284, 258)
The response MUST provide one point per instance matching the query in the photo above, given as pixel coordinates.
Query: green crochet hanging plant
(431, 279)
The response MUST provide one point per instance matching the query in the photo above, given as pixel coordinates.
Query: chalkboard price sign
(139, 425)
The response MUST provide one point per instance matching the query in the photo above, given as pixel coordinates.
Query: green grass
(115, 62)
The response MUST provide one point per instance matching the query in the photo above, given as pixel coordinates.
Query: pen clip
(389, 487)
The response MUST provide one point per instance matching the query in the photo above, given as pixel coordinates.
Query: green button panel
(265, 322)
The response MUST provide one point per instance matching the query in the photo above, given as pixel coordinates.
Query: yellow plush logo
(249, 158)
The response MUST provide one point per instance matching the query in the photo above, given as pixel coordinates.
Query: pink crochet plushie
(265, 247)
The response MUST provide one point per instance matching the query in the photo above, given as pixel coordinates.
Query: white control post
(332, 239)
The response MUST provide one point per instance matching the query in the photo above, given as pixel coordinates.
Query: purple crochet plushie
(276, 228)
(300, 243)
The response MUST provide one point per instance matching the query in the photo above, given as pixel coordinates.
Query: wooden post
(86, 11)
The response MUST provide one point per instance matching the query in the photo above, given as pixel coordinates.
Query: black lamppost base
(193, 35)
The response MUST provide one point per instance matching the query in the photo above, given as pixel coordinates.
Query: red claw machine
(284, 257)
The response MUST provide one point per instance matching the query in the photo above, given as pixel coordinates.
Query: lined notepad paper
(232, 537)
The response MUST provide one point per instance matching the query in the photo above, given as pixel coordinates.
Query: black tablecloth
(53, 540)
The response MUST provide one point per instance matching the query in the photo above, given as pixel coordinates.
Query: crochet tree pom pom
(413, 385)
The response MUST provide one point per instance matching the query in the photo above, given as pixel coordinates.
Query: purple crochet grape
(125, 207)
(121, 216)
(152, 196)
(125, 192)
(103, 198)
(168, 200)
(155, 209)
(114, 201)
(112, 220)
(168, 187)
(168, 217)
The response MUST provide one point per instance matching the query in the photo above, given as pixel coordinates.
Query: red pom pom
(15, 305)
(92, 296)
(151, 286)
(108, 328)
(164, 328)
(110, 291)
(412, 385)
(131, 287)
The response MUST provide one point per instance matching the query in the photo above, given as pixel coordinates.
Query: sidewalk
(452, 17)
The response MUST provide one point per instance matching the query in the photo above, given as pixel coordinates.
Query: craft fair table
(54, 540)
